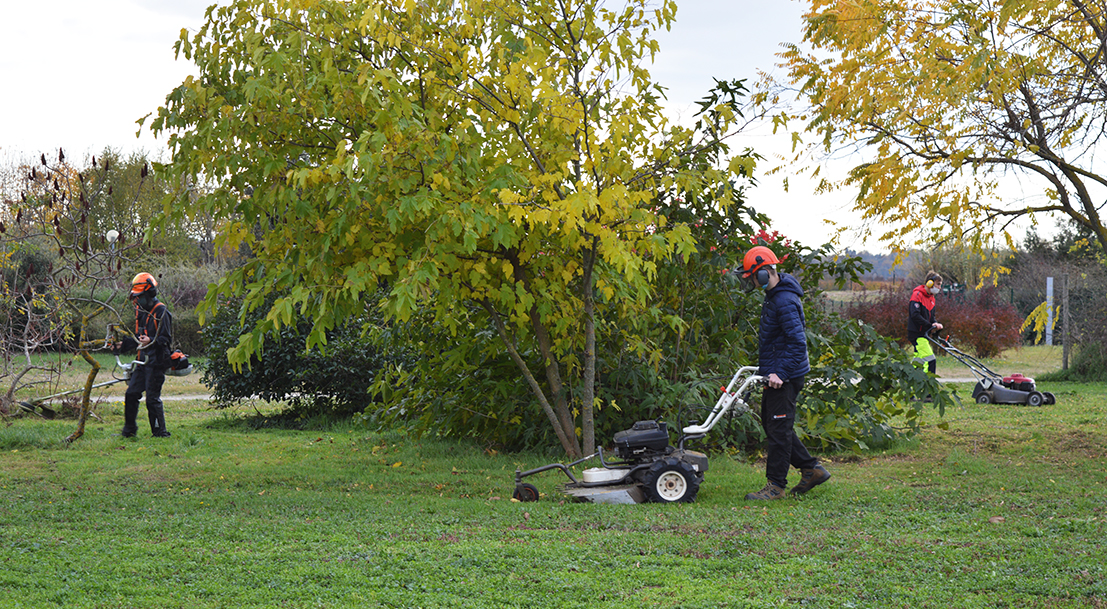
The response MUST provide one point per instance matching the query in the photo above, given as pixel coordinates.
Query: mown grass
(1006, 508)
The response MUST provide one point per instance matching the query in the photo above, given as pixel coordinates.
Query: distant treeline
(882, 265)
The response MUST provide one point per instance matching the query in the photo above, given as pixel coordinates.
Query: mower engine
(666, 474)
(1018, 382)
(651, 469)
(646, 440)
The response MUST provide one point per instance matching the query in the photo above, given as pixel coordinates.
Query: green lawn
(1006, 508)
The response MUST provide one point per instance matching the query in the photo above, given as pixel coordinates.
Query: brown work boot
(811, 478)
(771, 491)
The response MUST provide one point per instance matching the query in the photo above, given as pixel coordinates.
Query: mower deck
(621, 494)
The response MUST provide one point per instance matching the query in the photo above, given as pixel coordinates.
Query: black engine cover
(645, 438)
(1025, 385)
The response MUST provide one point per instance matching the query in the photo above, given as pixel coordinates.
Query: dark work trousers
(778, 418)
(146, 379)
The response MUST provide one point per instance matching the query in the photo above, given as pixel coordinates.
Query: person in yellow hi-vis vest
(921, 320)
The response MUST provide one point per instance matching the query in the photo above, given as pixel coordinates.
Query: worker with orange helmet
(154, 333)
(784, 364)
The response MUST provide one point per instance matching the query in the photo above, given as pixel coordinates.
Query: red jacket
(920, 313)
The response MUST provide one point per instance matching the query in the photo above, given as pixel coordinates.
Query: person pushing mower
(783, 362)
(154, 331)
(921, 320)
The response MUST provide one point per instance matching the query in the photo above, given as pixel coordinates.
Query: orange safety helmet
(142, 283)
(754, 263)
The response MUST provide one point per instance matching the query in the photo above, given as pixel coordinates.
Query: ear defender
(761, 277)
(755, 266)
(929, 283)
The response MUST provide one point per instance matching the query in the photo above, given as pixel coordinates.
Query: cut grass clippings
(1006, 508)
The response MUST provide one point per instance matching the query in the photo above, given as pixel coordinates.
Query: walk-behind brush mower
(991, 388)
(646, 467)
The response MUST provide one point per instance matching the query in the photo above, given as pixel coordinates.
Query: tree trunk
(86, 396)
(565, 436)
(553, 377)
(588, 393)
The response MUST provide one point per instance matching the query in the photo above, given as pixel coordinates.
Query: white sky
(77, 75)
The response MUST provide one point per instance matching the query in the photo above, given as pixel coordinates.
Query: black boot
(157, 421)
(130, 413)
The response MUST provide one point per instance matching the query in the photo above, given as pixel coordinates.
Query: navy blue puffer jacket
(783, 347)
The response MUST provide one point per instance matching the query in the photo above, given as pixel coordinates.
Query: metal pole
(1049, 312)
(1066, 333)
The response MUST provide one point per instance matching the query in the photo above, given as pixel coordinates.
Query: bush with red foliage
(987, 323)
(885, 310)
(978, 321)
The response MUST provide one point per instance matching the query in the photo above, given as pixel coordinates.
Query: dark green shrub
(863, 392)
(334, 382)
(459, 387)
(188, 336)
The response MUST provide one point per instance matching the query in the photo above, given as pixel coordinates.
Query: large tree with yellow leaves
(950, 101)
(500, 154)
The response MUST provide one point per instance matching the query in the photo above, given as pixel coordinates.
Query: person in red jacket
(921, 319)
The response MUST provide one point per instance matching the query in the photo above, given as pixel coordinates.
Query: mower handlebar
(933, 335)
(745, 378)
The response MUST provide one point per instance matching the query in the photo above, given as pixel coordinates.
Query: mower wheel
(525, 492)
(984, 398)
(1036, 398)
(670, 481)
(1050, 399)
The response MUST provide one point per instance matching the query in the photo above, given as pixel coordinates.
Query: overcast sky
(77, 75)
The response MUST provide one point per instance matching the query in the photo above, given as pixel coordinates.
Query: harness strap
(157, 324)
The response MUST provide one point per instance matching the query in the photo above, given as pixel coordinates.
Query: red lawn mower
(991, 387)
